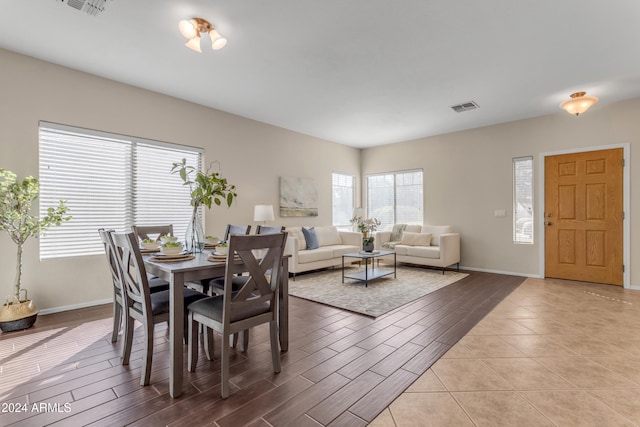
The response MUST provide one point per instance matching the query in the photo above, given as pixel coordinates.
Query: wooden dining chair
(155, 231)
(236, 229)
(265, 229)
(230, 230)
(255, 303)
(155, 285)
(142, 305)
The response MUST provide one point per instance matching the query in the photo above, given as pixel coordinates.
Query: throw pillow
(311, 238)
(297, 233)
(396, 232)
(416, 239)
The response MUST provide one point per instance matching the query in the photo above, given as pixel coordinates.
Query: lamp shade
(263, 213)
(217, 41)
(194, 44)
(579, 103)
(188, 28)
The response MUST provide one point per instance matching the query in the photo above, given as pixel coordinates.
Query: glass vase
(194, 238)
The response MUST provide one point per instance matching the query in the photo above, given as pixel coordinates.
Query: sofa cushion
(320, 254)
(413, 228)
(297, 233)
(328, 235)
(339, 250)
(311, 238)
(432, 252)
(401, 249)
(436, 231)
(416, 239)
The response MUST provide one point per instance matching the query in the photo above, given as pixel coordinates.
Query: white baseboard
(510, 273)
(75, 306)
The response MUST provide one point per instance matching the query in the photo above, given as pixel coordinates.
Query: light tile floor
(553, 353)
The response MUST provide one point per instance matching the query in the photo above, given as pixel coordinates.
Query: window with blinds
(108, 181)
(395, 198)
(343, 187)
(523, 200)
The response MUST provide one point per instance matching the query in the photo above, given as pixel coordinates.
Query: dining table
(202, 267)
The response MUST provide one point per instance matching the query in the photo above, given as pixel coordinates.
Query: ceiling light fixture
(192, 29)
(579, 103)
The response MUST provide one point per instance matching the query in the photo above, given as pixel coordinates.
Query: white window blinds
(395, 198)
(108, 181)
(523, 200)
(343, 199)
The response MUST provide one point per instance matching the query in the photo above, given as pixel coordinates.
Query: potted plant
(366, 227)
(16, 198)
(207, 188)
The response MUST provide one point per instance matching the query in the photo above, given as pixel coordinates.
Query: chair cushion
(157, 284)
(211, 307)
(160, 300)
(237, 282)
(311, 238)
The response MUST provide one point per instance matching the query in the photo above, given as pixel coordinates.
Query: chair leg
(275, 346)
(148, 353)
(117, 320)
(224, 364)
(192, 357)
(245, 340)
(128, 340)
(208, 342)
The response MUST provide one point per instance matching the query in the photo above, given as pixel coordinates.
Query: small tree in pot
(16, 198)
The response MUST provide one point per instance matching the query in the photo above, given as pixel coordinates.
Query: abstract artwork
(298, 197)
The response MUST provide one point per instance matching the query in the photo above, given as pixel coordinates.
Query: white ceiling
(357, 72)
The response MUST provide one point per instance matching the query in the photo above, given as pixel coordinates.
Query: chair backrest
(132, 272)
(264, 229)
(109, 250)
(263, 279)
(236, 229)
(152, 231)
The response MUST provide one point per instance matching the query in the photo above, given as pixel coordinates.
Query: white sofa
(413, 245)
(332, 244)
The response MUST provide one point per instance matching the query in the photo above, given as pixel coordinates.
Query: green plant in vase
(207, 189)
(366, 226)
(16, 199)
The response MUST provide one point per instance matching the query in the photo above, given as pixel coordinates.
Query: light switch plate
(500, 213)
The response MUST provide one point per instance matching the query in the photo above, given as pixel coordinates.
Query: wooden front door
(584, 216)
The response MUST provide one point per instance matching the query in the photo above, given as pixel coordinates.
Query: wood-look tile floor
(344, 369)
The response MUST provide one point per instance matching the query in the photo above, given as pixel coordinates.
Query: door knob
(549, 223)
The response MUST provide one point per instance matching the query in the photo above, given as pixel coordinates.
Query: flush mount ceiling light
(192, 29)
(579, 103)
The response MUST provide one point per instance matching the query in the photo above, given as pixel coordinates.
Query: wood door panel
(583, 216)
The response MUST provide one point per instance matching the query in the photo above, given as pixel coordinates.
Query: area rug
(381, 296)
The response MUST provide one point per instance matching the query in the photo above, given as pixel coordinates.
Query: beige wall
(468, 175)
(253, 156)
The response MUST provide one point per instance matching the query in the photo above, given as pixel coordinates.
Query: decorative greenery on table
(207, 188)
(366, 226)
(16, 198)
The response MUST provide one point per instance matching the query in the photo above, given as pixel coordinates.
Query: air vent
(91, 7)
(471, 105)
